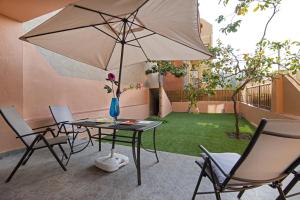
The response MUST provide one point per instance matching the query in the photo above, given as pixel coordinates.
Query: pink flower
(111, 77)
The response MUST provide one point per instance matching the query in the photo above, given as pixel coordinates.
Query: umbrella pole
(123, 42)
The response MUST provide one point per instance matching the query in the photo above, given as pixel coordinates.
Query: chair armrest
(213, 160)
(29, 134)
(66, 122)
(81, 119)
(47, 126)
(42, 133)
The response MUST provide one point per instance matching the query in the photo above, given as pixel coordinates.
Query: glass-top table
(136, 127)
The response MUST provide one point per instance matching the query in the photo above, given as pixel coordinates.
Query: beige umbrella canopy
(111, 34)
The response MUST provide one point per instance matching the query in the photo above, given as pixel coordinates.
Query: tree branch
(268, 22)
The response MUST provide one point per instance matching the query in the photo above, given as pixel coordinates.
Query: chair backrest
(61, 113)
(17, 123)
(274, 148)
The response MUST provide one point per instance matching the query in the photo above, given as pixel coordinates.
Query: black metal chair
(62, 115)
(272, 154)
(33, 139)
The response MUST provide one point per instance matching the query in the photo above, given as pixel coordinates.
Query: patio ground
(174, 178)
(183, 132)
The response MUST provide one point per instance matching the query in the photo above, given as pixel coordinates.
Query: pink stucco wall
(165, 106)
(205, 106)
(11, 76)
(29, 82)
(291, 94)
(254, 114)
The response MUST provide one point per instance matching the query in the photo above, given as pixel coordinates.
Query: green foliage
(231, 69)
(242, 8)
(163, 67)
(192, 93)
(232, 27)
(228, 64)
(203, 87)
(108, 88)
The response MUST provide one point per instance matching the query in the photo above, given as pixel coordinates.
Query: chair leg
(17, 166)
(217, 193)
(29, 149)
(198, 184)
(55, 155)
(281, 193)
(288, 188)
(241, 194)
(199, 180)
(59, 145)
(27, 158)
(68, 158)
(63, 151)
(90, 136)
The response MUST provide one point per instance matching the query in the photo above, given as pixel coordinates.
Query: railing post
(259, 96)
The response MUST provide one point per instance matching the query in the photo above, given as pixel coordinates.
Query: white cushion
(225, 160)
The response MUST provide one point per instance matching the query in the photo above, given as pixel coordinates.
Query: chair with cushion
(272, 154)
(62, 116)
(33, 139)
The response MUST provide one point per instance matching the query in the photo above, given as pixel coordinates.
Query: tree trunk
(236, 115)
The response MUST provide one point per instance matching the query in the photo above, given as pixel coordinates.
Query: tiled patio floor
(174, 178)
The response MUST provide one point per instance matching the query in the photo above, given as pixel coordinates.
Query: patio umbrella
(113, 34)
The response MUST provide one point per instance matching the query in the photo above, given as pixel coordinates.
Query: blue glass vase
(114, 109)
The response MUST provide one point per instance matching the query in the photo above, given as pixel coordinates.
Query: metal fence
(219, 95)
(259, 96)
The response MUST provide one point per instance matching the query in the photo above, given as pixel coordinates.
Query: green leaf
(256, 8)
(220, 18)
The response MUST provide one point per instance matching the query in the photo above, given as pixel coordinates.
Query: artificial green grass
(183, 132)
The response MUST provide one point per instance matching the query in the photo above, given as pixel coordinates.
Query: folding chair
(33, 139)
(271, 156)
(62, 115)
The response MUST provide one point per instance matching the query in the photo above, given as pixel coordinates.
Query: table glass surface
(120, 124)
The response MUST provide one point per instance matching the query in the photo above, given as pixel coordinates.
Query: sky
(285, 24)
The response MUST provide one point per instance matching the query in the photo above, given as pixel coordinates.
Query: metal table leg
(133, 147)
(154, 144)
(139, 158)
(100, 137)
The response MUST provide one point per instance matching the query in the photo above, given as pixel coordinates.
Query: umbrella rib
(111, 28)
(105, 33)
(113, 49)
(129, 27)
(141, 37)
(96, 11)
(110, 55)
(173, 40)
(64, 30)
(139, 45)
(136, 10)
(133, 45)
